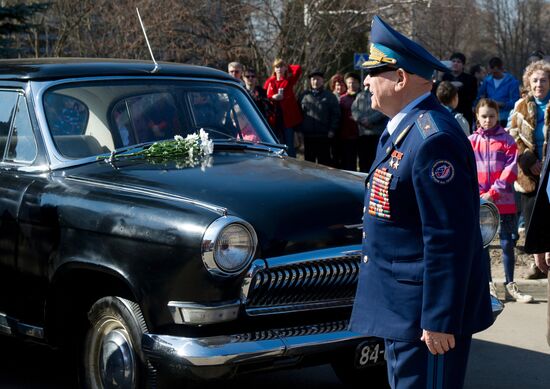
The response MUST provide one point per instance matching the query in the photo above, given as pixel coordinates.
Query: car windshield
(91, 118)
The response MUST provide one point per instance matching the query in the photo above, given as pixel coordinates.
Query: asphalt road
(512, 354)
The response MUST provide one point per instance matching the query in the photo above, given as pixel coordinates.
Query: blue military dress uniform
(422, 262)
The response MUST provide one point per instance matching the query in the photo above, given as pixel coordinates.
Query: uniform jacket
(537, 239)
(521, 125)
(496, 158)
(320, 111)
(422, 262)
(288, 105)
(507, 93)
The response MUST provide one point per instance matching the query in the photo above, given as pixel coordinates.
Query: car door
(18, 150)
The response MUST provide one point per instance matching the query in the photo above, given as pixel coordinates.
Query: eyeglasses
(250, 75)
(379, 70)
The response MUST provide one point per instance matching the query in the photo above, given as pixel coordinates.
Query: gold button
(365, 259)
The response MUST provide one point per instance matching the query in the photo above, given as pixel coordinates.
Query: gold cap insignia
(377, 57)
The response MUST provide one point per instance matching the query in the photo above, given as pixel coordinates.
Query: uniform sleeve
(447, 195)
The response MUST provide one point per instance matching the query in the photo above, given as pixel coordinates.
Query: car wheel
(112, 355)
(375, 377)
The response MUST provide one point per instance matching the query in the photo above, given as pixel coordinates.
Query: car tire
(112, 355)
(375, 377)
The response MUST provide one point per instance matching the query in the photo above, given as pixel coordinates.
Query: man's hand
(542, 262)
(438, 342)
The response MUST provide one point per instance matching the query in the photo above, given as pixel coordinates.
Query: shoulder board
(426, 125)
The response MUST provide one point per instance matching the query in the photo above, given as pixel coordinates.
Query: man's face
(497, 72)
(457, 66)
(352, 84)
(235, 72)
(382, 88)
(316, 82)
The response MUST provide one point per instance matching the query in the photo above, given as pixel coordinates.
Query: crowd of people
(333, 121)
(506, 124)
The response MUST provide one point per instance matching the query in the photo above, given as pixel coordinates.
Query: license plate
(369, 353)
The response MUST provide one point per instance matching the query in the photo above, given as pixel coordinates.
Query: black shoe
(534, 273)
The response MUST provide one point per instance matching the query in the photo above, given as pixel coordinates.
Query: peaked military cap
(389, 47)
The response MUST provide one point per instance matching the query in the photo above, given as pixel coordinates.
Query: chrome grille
(302, 285)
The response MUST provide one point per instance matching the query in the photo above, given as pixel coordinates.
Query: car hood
(293, 205)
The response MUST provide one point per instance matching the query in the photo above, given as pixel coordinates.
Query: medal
(396, 156)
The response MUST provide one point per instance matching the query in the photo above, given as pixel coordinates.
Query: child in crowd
(496, 160)
(447, 94)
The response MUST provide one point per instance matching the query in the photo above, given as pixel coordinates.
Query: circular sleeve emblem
(442, 172)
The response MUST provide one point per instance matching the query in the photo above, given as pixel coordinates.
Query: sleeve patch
(442, 172)
(426, 125)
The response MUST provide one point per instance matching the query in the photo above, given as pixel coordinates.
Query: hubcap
(116, 359)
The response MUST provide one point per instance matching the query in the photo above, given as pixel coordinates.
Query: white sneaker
(513, 293)
(493, 289)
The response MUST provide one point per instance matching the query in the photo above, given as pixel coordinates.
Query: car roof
(59, 68)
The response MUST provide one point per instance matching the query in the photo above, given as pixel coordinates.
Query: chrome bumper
(220, 356)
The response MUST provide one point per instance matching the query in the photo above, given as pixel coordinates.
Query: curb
(536, 288)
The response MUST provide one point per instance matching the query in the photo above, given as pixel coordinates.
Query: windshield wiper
(120, 150)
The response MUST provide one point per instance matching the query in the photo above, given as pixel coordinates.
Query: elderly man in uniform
(423, 285)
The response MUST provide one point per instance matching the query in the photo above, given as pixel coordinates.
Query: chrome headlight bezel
(489, 221)
(210, 238)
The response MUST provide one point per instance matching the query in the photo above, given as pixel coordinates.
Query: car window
(22, 143)
(66, 115)
(8, 99)
(122, 113)
(146, 118)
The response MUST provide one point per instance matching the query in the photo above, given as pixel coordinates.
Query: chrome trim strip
(149, 192)
(28, 330)
(257, 265)
(303, 307)
(5, 327)
(199, 314)
(317, 255)
(237, 349)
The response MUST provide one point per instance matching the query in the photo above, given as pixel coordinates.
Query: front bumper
(222, 356)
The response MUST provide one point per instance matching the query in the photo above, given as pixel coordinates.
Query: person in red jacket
(280, 89)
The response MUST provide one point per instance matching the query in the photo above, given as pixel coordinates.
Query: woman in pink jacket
(496, 160)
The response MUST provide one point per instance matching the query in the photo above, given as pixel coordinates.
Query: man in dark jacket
(321, 113)
(466, 85)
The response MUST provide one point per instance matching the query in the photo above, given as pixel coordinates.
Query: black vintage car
(157, 268)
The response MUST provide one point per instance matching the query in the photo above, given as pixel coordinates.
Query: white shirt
(394, 122)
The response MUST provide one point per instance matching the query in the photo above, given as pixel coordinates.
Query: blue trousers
(412, 366)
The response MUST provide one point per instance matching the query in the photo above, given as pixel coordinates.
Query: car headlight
(228, 246)
(489, 220)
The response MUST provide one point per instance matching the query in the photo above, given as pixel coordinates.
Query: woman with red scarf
(280, 89)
